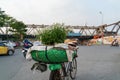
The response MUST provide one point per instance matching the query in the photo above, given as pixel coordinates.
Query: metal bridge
(106, 29)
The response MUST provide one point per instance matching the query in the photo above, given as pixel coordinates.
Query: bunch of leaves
(56, 34)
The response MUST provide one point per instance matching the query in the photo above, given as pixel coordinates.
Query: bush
(56, 34)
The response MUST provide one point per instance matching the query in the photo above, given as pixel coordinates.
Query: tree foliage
(2, 17)
(17, 27)
(5, 20)
(56, 34)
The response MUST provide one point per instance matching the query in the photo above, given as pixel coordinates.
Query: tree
(2, 15)
(18, 28)
(5, 19)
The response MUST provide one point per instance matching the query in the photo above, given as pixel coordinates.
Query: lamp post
(101, 17)
(102, 33)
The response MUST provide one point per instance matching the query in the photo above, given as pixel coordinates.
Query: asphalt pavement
(97, 62)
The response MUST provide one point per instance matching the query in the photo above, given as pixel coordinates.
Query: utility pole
(101, 17)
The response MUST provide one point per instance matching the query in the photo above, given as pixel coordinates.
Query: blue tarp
(74, 34)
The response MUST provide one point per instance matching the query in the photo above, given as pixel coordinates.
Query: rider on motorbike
(27, 44)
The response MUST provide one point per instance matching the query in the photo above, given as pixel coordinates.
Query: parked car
(5, 49)
(37, 43)
(10, 43)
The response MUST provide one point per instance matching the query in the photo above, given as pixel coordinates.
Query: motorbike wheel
(24, 54)
(117, 45)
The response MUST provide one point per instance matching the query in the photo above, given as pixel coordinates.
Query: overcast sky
(70, 12)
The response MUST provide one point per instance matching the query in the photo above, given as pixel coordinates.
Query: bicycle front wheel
(73, 69)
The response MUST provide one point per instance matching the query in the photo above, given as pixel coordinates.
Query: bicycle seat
(72, 44)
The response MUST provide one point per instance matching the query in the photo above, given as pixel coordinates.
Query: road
(94, 63)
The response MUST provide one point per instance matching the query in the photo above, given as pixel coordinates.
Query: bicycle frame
(66, 68)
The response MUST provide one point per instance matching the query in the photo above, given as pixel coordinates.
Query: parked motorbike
(115, 43)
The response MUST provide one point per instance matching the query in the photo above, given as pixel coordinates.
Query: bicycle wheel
(57, 75)
(73, 69)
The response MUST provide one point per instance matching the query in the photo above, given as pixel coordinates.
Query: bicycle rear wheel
(73, 69)
(57, 75)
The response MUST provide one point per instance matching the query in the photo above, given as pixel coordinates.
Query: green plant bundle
(56, 34)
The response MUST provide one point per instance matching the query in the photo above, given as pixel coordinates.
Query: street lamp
(102, 33)
(101, 16)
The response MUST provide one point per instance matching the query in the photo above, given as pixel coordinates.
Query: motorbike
(24, 51)
(116, 44)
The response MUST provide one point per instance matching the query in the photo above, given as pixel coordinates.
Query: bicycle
(59, 70)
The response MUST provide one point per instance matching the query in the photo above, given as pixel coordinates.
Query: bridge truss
(106, 29)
